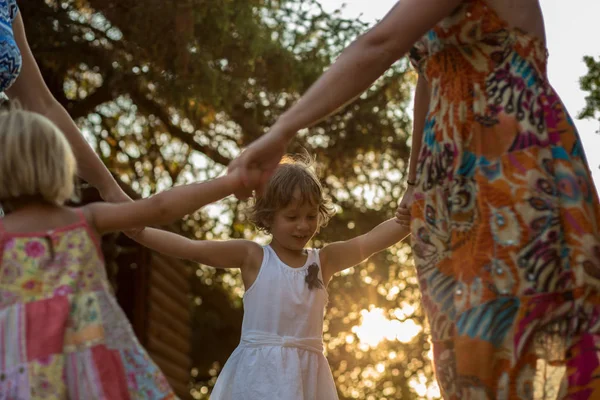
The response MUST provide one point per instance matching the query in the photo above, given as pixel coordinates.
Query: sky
(568, 25)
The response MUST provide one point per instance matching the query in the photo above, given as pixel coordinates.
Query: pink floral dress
(62, 333)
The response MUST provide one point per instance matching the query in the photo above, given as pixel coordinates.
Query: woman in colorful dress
(506, 219)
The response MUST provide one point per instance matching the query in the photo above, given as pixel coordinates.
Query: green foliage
(169, 92)
(591, 83)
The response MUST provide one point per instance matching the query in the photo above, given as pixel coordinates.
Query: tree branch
(103, 94)
(151, 107)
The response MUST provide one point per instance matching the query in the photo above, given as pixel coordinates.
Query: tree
(591, 84)
(169, 92)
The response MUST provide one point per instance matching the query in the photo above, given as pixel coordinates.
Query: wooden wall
(155, 294)
(168, 334)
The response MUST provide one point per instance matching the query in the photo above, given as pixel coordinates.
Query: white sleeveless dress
(280, 355)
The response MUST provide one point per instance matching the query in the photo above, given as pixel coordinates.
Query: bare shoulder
(40, 219)
(255, 254)
(525, 15)
(325, 256)
(252, 263)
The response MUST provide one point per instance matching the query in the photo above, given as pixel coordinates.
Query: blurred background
(169, 92)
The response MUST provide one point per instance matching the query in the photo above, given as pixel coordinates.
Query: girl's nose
(303, 224)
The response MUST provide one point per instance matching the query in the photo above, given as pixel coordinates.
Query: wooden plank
(170, 288)
(158, 316)
(172, 371)
(140, 321)
(173, 269)
(164, 333)
(181, 390)
(164, 349)
(186, 269)
(181, 314)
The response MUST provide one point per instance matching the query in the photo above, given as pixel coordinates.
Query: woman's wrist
(111, 192)
(284, 128)
(233, 181)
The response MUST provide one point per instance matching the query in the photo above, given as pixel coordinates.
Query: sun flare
(375, 327)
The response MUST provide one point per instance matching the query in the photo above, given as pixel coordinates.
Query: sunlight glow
(419, 384)
(375, 327)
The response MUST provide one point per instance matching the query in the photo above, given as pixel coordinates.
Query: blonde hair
(36, 161)
(292, 174)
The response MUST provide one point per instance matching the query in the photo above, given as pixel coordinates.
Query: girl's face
(294, 225)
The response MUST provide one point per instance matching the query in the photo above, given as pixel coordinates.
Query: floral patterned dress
(62, 333)
(506, 219)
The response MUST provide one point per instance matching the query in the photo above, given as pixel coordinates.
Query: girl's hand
(403, 216)
(262, 156)
(242, 191)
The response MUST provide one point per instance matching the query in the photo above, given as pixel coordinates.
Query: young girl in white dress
(280, 355)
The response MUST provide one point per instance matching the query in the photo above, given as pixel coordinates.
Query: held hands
(403, 210)
(403, 216)
(243, 190)
(257, 163)
(408, 197)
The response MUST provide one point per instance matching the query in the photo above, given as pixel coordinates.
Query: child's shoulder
(41, 219)
(254, 247)
(254, 251)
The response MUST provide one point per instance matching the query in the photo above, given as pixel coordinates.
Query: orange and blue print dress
(62, 333)
(506, 219)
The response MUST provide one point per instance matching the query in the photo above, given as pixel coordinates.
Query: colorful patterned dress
(506, 219)
(10, 56)
(62, 333)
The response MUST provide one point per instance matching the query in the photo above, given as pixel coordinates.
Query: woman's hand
(263, 155)
(243, 189)
(408, 198)
(403, 216)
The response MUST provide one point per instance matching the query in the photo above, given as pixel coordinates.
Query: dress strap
(317, 259)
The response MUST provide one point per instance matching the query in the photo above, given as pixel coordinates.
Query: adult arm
(33, 94)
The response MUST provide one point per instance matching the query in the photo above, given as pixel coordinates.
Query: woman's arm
(365, 60)
(33, 94)
(421, 107)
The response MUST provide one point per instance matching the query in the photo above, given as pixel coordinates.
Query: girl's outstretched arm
(216, 254)
(162, 208)
(338, 256)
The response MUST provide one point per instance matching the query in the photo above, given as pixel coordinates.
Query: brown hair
(293, 172)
